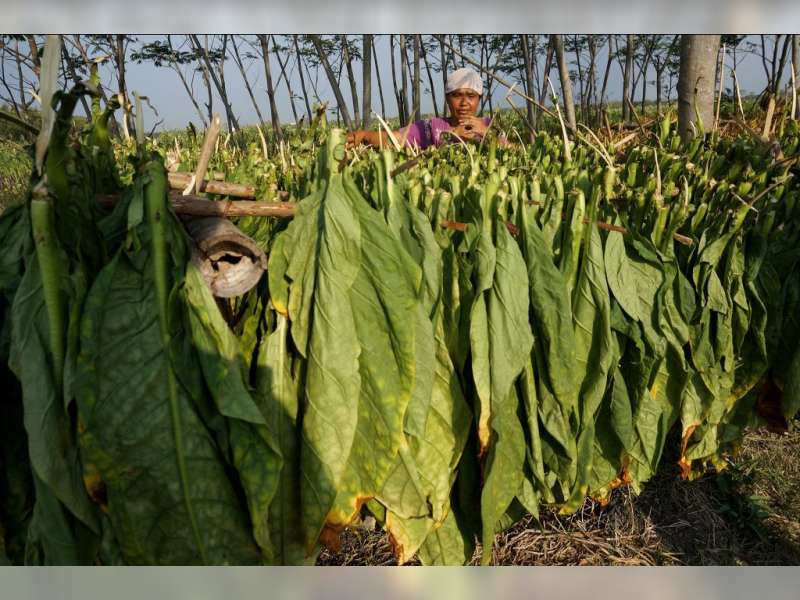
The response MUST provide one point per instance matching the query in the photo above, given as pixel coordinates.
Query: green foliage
(445, 348)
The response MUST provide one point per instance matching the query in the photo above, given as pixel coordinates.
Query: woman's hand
(470, 127)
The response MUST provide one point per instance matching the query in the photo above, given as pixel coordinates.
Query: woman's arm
(377, 139)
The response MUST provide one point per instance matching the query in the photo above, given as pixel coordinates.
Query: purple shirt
(429, 132)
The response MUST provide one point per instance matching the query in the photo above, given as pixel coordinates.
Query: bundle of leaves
(445, 346)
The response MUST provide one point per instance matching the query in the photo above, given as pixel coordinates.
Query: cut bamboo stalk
(179, 181)
(231, 263)
(202, 207)
(212, 134)
(768, 118)
(721, 87)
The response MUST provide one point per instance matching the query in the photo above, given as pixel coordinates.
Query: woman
(463, 91)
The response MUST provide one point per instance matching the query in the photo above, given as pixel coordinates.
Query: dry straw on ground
(746, 517)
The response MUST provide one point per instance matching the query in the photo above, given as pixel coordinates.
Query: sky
(162, 86)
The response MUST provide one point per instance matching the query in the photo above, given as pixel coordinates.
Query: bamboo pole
(179, 181)
(202, 207)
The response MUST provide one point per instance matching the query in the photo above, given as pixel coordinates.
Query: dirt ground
(748, 515)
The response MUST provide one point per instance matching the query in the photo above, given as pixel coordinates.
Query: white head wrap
(463, 78)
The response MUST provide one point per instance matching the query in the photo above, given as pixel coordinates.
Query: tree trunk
(302, 79)
(581, 87)
(415, 87)
(696, 82)
(566, 84)
(608, 70)
(37, 63)
(11, 97)
(404, 79)
(366, 79)
(644, 79)
(591, 92)
(238, 60)
(119, 60)
(285, 76)
(537, 84)
(782, 64)
(548, 63)
(528, 80)
(796, 67)
(400, 108)
(658, 89)
(378, 77)
(430, 78)
(351, 79)
(176, 67)
(337, 92)
(444, 75)
(273, 107)
(482, 70)
(626, 78)
(218, 83)
(72, 73)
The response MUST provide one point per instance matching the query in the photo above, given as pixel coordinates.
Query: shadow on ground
(749, 515)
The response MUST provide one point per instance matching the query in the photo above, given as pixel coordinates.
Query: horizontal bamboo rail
(201, 207)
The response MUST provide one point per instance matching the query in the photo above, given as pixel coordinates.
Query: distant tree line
(689, 67)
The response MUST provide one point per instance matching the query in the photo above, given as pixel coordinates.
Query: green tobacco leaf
(161, 470)
(53, 452)
(510, 342)
(446, 545)
(384, 309)
(255, 452)
(551, 319)
(592, 320)
(277, 392)
(333, 382)
(135, 440)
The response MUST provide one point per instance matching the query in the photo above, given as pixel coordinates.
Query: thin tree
(337, 92)
(566, 84)
(404, 79)
(415, 86)
(217, 76)
(696, 83)
(302, 78)
(238, 60)
(285, 76)
(400, 108)
(627, 87)
(444, 73)
(526, 58)
(548, 65)
(611, 52)
(163, 53)
(378, 77)
(366, 78)
(351, 78)
(430, 77)
(796, 67)
(273, 107)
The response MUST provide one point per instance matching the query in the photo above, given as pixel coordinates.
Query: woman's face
(463, 102)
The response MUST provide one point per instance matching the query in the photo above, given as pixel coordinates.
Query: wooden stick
(202, 207)
(179, 181)
(205, 154)
(768, 118)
